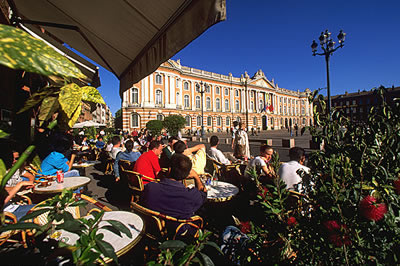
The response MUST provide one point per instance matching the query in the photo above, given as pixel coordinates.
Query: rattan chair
(162, 227)
(222, 171)
(134, 181)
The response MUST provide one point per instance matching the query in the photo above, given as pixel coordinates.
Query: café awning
(130, 38)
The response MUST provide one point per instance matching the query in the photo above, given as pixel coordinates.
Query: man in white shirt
(261, 162)
(215, 153)
(288, 171)
(116, 141)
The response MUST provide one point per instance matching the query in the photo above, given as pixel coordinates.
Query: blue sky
(276, 36)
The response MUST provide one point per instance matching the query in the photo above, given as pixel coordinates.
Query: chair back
(167, 227)
(126, 165)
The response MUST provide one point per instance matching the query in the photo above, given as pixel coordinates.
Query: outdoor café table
(219, 191)
(82, 166)
(70, 183)
(121, 244)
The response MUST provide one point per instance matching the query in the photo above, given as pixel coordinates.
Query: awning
(130, 38)
(88, 124)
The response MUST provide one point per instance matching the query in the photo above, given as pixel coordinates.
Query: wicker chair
(162, 227)
(222, 171)
(134, 181)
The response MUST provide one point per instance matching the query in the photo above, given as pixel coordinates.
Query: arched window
(238, 119)
(237, 106)
(186, 86)
(158, 97)
(186, 101)
(178, 99)
(226, 92)
(188, 120)
(208, 103)
(199, 121)
(135, 120)
(219, 121)
(255, 121)
(135, 95)
(160, 117)
(217, 90)
(228, 121)
(226, 105)
(158, 79)
(218, 104)
(237, 93)
(304, 121)
(198, 103)
(208, 88)
(209, 121)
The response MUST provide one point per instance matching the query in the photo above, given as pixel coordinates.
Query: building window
(255, 121)
(226, 92)
(237, 93)
(261, 105)
(199, 121)
(219, 121)
(135, 120)
(186, 101)
(186, 86)
(238, 119)
(280, 99)
(360, 102)
(226, 105)
(361, 110)
(158, 97)
(198, 103)
(303, 111)
(209, 121)
(178, 83)
(135, 95)
(208, 103)
(347, 103)
(347, 110)
(188, 120)
(160, 117)
(208, 88)
(237, 106)
(228, 121)
(354, 102)
(178, 99)
(217, 90)
(284, 100)
(158, 79)
(252, 105)
(218, 104)
(304, 121)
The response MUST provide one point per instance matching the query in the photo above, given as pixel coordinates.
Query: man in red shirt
(148, 164)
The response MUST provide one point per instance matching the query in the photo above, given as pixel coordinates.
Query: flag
(271, 108)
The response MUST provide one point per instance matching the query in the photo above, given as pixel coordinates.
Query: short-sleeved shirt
(128, 156)
(172, 198)
(218, 155)
(288, 173)
(257, 163)
(147, 165)
(15, 179)
(53, 162)
(199, 160)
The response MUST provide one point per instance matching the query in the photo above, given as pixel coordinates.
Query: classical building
(175, 89)
(99, 113)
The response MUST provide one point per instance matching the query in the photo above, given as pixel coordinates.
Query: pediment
(262, 82)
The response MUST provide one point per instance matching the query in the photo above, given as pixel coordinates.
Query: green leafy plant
(174, 123)
(176, 252)
(155, 127)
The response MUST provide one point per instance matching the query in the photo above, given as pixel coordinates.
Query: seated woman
(56, 160)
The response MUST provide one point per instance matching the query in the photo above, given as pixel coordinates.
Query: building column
(151, 88)
(192, 95)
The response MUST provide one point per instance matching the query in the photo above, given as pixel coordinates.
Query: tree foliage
(155, 127)
(174, 123)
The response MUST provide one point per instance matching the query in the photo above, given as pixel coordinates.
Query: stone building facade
(176, 89)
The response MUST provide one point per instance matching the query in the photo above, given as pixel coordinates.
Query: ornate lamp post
(328, 46)
(201, 90)
(244, 80)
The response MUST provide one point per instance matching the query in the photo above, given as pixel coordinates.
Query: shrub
(174, 123)
(155, 127)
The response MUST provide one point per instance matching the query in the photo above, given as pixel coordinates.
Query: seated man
(215, 153)
(116, 141)
(127, 155)
(261, 162)
(56, 160)
(288, 171)
(170, 196)
(100, 143)
(168, 152)
(197, 155)
(148, 163)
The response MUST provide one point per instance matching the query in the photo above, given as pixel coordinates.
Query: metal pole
(202, 115)
(247, 111)
(327, 55)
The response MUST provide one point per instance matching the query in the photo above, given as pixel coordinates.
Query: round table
(82, 166)
(219, 191)
(121, 244)
(70, 183)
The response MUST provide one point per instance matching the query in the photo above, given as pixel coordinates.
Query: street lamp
(328, 46)
(202, 90)
(244, 80)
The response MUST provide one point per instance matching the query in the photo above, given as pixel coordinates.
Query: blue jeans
(22, 210)
(73, 173)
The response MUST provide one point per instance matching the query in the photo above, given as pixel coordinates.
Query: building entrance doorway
(264, 122)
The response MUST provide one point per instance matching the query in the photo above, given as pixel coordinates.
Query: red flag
(271, 108)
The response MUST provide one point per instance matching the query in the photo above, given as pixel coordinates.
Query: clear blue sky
(276, 37)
